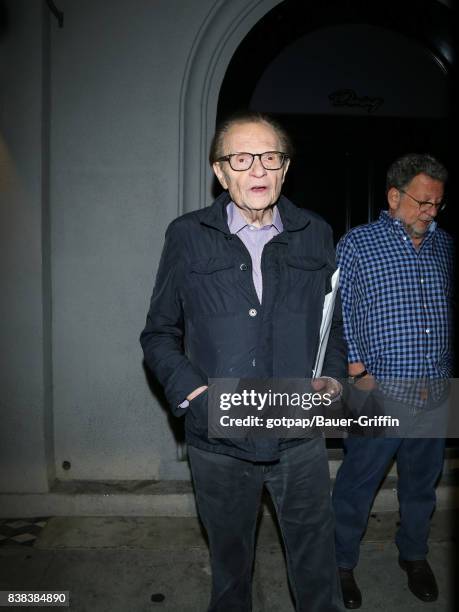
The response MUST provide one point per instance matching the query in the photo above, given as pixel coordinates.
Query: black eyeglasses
(270, 160)
(423, 206)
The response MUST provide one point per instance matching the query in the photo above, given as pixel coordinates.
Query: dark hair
(216, 147)
(405, 168)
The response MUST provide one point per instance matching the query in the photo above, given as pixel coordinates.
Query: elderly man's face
(254, 189)
(403, 207)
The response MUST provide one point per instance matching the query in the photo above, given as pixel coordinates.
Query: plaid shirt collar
(398, 227)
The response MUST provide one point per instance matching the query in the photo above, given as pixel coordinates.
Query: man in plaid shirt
(396, 287)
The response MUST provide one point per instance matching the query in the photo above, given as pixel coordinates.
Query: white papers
(327, 316)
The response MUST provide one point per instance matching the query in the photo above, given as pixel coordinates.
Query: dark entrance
(340, 162)
(356, 84)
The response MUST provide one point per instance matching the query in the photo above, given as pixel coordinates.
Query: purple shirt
(254, 239)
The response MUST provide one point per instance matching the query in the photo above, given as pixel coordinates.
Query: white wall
(117, 70)
(82, 231)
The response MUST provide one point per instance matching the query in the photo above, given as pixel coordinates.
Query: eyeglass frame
(424, 205)
(227, 158)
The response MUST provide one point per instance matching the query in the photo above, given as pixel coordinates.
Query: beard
(414, 232)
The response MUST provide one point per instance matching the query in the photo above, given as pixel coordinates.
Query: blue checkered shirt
(397, 301)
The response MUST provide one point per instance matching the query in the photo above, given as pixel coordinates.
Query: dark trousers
(228, 494)
(366, 460)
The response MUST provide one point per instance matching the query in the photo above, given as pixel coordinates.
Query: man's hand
(327, 386)
(367, 382)
(355, 368)
(196, 392)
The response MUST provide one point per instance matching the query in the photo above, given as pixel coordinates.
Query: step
(176, 499)
(177, 533)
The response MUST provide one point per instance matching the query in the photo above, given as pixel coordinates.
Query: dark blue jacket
(205, 319)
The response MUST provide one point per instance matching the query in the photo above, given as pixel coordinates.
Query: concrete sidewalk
(116, 564)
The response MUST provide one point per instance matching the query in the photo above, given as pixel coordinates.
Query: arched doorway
(223, 29)
(356, 84)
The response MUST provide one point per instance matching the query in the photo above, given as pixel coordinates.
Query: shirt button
(427, 331)
(253, 312)
(243, 267)
(405, 238)
(422, 280)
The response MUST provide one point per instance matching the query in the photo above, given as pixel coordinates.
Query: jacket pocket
(308, 280)
(210, 287)
(196, 415)
(306, 263)
(210, 265)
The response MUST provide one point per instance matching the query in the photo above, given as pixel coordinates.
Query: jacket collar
(293, 218)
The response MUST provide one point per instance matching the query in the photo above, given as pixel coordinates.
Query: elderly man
(396, 286)
(239, 293)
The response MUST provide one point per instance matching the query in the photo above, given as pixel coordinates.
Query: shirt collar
(236, 221)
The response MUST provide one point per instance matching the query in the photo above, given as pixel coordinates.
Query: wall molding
(224, 27)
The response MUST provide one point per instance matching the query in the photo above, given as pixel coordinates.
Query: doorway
(355, 84)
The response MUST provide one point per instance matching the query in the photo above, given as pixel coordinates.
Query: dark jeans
(419, 464)
(228, 495)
